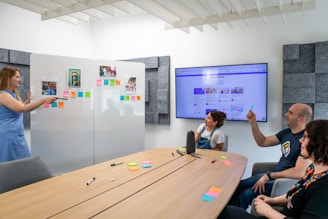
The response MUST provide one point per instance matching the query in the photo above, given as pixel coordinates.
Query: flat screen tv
(233, 89)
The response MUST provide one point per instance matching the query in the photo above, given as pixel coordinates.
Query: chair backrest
(282, 186)
(262, 167)
(22, 172)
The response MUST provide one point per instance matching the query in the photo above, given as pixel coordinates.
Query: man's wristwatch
(268, 174)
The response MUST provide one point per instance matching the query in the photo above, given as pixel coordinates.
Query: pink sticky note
(46, 105)
(146, 162)
(214, 194)
(98, 82)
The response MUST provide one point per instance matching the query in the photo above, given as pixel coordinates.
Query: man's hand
(259, 186)
(251, 116)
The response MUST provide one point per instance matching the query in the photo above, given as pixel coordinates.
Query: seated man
(291, 163)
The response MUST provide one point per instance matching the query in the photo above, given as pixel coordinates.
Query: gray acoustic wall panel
(320, 111)
(321, 57)
(20, 60)
(157, 97)
(305, 77)
(305, 62)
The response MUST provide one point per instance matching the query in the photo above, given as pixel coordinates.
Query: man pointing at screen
(290, 165)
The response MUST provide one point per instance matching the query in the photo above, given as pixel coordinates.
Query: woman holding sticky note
(13, 144)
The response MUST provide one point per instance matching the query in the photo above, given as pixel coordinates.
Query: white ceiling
(181, 14)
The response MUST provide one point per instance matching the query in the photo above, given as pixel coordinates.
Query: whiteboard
(99, 121)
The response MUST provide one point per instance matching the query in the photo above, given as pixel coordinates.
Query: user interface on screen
(233, 89)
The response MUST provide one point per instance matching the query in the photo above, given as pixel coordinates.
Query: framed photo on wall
(74, 79)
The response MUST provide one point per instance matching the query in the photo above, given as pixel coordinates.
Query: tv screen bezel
(213, 66)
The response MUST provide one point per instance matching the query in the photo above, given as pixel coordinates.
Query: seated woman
(209, 135)
(309, 197)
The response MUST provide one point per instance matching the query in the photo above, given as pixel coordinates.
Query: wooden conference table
(173, 187)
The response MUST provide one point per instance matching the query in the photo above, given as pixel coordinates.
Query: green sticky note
(87, 94)
(132, 164)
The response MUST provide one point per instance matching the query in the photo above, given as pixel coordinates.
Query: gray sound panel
(157, 97)
(305, 77)
(291, 52)
(305, 63)
(19, 60)
(320, 111)
(321, 57)
(321, 89)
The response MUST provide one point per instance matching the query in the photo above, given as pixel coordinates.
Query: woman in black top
(309, 197)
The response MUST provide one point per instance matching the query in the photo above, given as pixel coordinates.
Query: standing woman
(209, 135)
(13, 144)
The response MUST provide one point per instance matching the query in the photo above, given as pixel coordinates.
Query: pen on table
(179, 152)
(115, 164)
(193, 155)
(213, 161)
(172, 154)
(91, 181)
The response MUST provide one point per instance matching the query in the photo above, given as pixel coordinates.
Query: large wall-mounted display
(99, 114)
(233, 89)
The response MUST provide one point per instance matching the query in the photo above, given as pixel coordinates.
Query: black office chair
(22, 172)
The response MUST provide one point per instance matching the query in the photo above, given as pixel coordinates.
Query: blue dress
(13, 144)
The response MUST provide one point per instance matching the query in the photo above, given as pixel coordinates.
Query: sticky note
(127, 98)
(87, 94)
(208, 198)
(112, 83)
(66, 94)
(118, 82)
(226, 162)
(133, 168)
(215, 189)
(122, 97)
(132, 164)
(146, 165)
(106, 82)
(98, 82)
(146, 162)
(61, 104)
(223, 157)
(80, 94)
(46, 105)
(73, 94)
(133, 98)
(138, 98)
(214, 194)
(54, 105)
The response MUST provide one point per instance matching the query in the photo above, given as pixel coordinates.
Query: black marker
(61, 98)
(91, 181)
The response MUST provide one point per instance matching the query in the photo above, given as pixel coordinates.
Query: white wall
(145, 36)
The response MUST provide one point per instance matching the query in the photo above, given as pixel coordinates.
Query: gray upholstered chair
(280, 185)
(21, 172)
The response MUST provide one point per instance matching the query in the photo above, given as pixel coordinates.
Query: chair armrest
(262, 167)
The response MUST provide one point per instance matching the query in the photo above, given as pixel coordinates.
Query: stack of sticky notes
(146, 164)
(133, 166)
(211, 194)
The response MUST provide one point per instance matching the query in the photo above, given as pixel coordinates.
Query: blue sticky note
(80, 94)
(122, 97)
(106, 82)
(208, 198)
(54, 104)
(146, 165)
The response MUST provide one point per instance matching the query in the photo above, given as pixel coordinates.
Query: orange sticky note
(61, 105)
(138, 98)
(133, 168)
(73, 94)
(215, 189)
(118, 82)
